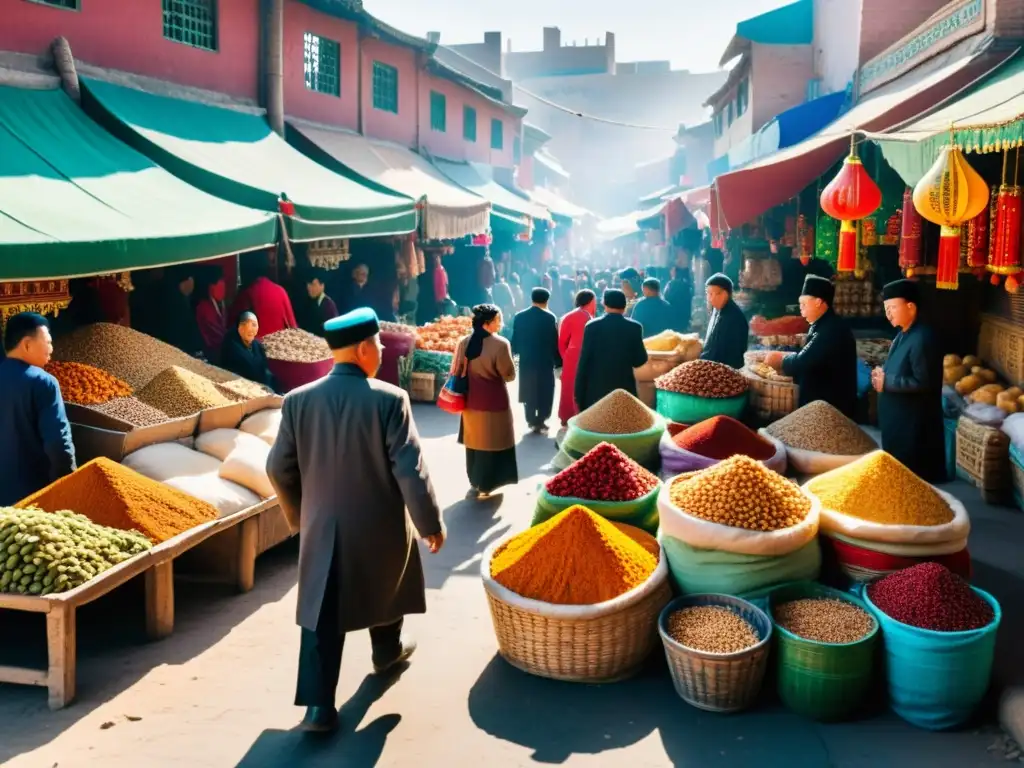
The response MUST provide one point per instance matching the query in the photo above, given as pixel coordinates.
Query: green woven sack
(688, 409)
(642, 447)
(696, 571)
(823, 681)
(642, 513)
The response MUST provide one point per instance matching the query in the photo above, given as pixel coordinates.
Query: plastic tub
(688, 409)
(291, 375)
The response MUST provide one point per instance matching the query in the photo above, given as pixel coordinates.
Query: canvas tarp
(76, 201)
(480, 181)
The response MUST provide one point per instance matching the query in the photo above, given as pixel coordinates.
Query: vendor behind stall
(826, 367)
(36, 448)
(244, 354)
(726, 339)
(211, 312)
(910, 387)
(317, 307)
(176, 322)
(262, 296)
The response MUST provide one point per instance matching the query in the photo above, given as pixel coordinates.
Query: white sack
(164, 461)
(226, 496)
(263, 424)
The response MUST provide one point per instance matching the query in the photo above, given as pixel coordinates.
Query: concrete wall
(487, 54)
(883, 22)
(836, 42)
(778, 80)
(450, 144)
(128, 35)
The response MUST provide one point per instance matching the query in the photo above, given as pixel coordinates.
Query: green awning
(75, 201)
(236, 156)
(503, 201)
(988, 117)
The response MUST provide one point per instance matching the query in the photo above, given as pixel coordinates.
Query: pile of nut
(131, 411)
(742, 493)
(86, 384)
(824, 619)
(178, 393)
(402, 328)
(617, 413)
(820, 427)
(703, 378)
(293, 345)
(712, 629)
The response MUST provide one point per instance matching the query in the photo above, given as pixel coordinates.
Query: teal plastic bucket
(688, 409)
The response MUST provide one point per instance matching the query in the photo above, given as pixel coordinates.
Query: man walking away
(346, 466)
(653, 312)
(726, 338)
(535, 340)
(613, 345)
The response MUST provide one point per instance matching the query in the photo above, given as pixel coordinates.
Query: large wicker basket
(983, 459)
(718, 682)
(599, 643)
(771, 399)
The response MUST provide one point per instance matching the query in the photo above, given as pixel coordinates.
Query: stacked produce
(114, 495)
(47, 552)
(444, 334)
(979, 384)
(293, 345)
(400, 328)
(86, 384)
(819, 438)
(700, 389)
(618, 418)
(880, 517)
(179, 392)
(715, 439)
(712, 629)
(435, 363)
(824, 619)
(737, 528)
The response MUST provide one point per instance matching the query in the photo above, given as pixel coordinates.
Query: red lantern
(976, 242)
(850, 196)
(286, 206)
(910, 236)
(1004, 252)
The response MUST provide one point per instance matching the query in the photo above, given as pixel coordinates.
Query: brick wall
(883, 22)
(779, 79)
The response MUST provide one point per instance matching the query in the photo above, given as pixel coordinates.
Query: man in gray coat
(347, 466)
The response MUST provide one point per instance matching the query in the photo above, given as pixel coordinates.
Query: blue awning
(788, 128)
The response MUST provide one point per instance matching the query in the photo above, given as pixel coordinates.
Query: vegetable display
(979, 384)
(444, 334)
(437, 363)
(604, 474)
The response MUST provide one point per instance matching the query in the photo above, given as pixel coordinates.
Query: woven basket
(1001, 345)
(983, 459)
(771, 399)
(599, 643)
(717, 682)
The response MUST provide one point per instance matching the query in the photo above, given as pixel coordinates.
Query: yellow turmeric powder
(575, 558)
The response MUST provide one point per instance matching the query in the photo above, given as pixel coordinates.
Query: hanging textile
(910, 236)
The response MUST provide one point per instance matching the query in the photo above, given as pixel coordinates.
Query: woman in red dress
(570, 343)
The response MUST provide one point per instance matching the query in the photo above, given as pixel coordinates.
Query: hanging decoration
(1004, 257)
(826, 239)
(804, 249)
(974, 244)
(47, 297)
(910, 236)
(327, 254)
(850, 196)
(950, 194)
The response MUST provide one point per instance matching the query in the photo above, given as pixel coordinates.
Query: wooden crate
(983, 459)
(424, 387)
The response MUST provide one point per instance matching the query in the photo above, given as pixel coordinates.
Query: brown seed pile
(617, 413)
(243, 389)
(293, 345)
(178, 393)
(743, 493)
(131, 411)
(703, 378)
(824, 619)
(819, 427)
(129, 355)
(402, 328)
(712, 629)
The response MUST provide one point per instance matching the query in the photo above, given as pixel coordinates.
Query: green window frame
(497, 134)
(70, 5)
(191, 22)
(385, 87)
(321, 63)
(438, 112)
(469, 124)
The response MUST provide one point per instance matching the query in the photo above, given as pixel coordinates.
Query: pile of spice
(243, 389)
(114, 495)
(640, 536)
(178, 393)
(703, 378)
(575, 558)
(712, 629)
(879, 488)
(617, 413)
(293, 345)
(86, 384)
(603, 474)
(824, 619)
(820, 427)
(721, 437)
(742, 493)
(131, 411)
(930, 596)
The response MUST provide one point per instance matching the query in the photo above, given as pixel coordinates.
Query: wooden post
(247, 546)
(61, 646)
(160, 600)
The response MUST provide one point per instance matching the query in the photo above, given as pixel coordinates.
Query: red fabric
(487, 394)
(440, 283)
(570, 344)
(271, 304)
(858, 557)
(213, 325)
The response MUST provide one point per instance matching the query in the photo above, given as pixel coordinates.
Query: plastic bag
(642, 512)
(1013, 428)
(989, 415)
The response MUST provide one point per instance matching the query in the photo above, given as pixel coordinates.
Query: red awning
(746, 193)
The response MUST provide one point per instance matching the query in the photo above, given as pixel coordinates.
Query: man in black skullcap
(826, 367)
(613, 345)
(350, 476)
(535, 340)
(726, 338)
(909, 387)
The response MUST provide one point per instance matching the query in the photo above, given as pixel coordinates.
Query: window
(69, 4)
(497, 134)
(192, 22)
(728, 113)
(742, 97)
(469, 124)
(717, 122)
(438, 112)
(385, 87)
(517, 150)
(321, 61)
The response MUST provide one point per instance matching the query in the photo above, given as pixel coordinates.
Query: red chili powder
(721, 437)
(930, 596)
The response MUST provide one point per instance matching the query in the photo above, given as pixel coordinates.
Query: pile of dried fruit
(721, 437)
(603, 474)
(294, 345)
(930, 596)
(617, 413)
(86, 384)
(820, 427)
(444, 334)
(742, 493)
(132, 411)
(824, 619)
(712, 629)
(877, 487)
(703, 378)
(178, 393)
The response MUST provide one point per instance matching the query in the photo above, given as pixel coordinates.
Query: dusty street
(218, 692)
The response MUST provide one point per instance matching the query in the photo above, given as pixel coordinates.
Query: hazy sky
(691, 33)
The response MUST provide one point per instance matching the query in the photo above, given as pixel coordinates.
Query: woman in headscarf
(486, 429)
(244, 354)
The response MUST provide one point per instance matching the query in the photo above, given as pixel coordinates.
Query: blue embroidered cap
(351, 328)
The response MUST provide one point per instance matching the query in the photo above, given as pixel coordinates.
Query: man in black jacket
(613, 346)
(535, 340)
(826, 367)
(726, 339)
